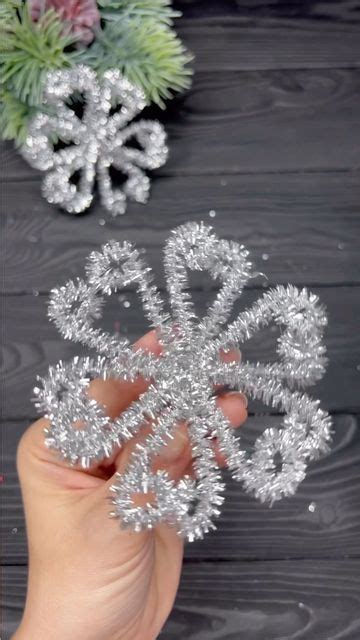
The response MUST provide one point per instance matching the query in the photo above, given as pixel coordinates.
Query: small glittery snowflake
(100, 140)
(183, 378)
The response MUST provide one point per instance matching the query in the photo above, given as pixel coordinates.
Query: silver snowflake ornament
(101, 139)
(183, 378)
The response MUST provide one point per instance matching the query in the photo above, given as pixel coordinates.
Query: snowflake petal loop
(79, 428)
(167, 500)
(304, 434)
(300, 347)
(76, 306)
(195, 248)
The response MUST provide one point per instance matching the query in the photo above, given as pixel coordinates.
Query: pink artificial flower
(79, 16)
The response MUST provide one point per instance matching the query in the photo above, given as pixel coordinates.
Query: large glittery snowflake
(182, 381)
(101, 139)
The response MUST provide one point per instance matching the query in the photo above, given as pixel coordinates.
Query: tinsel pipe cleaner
(182, 380)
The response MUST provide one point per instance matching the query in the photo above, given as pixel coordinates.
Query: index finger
(116, 395)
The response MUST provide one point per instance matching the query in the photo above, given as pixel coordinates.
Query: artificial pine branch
(14, 116)
(28, 50)
(136, 37)
(147, 52)
(160, 10)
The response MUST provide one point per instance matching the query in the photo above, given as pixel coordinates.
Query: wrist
(32, 630)
(49, 628)
(36, 632)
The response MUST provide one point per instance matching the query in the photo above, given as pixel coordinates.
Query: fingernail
(174, 447)
(230, 355)
(242, 397)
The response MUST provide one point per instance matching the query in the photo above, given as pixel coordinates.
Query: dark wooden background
(269, 138)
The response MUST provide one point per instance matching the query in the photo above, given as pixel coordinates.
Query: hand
(88, 578)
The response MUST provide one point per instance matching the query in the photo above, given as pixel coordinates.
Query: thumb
(40, 469)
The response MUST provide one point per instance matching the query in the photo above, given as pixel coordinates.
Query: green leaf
(159, 10)
(14, 116)
(149, 53)
(28, 50)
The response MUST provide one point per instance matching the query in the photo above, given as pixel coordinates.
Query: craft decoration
(99, 141)
(182, 379)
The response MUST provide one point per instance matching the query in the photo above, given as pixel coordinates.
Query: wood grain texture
(246, 601)
(246, 529)
(318, 15)
(31, 343)
(220, 43)
(310, 227)
(255, 121)
(267, 121)
(269, 600)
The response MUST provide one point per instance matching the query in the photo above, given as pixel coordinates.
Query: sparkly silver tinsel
(96, 142)
(182, 379)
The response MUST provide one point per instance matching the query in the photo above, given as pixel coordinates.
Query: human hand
(88, 578)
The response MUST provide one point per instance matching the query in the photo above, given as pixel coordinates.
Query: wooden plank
(220, 43)
(267, 601)
(306, 226)
(255, 121)
(246, 601)
(326, 14)
(267, 121)
(31, 342)
(246, 529)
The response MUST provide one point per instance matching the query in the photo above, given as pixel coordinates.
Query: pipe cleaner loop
(96, 142)
(182, 380)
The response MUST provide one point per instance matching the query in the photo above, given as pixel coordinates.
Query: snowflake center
(186, 380)
(100, 142)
